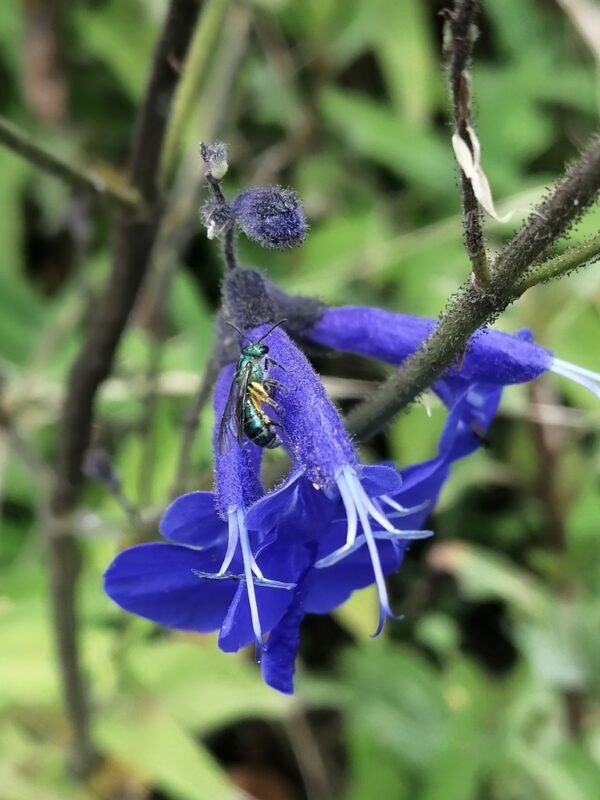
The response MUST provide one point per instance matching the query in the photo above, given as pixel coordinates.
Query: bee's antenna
(235, 328)
(271, 329)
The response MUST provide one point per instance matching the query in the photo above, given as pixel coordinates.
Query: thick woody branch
(132, 244)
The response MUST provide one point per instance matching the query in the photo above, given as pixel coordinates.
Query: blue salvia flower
(491, 356)
(270, 215)
(295, 509)
(212, 576)
(325, 460)
(233, 565)
(200, 581)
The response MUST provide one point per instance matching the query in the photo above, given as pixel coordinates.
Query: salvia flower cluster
(251, 563)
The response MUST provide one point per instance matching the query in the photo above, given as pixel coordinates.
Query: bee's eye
(264, 349)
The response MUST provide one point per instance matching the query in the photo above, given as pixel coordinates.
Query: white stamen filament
(584, 377)
(232, 542)
(358, 495)
(248, 559)
(403, 509)
(350, 508)
(256, 569)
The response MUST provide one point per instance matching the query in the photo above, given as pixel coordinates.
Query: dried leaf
(468, 155)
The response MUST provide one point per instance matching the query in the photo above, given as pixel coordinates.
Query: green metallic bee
(243, 415)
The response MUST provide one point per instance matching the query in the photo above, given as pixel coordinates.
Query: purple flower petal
(157, 581)
(276, 504)
(312, 430)
(279, 656)
(378, 479)
(192, 520)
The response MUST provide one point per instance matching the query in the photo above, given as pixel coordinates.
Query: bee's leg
(258, 394)
(270, 402)
(269, 360)
(271, 384)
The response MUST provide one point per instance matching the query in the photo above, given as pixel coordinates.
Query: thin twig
(124, 199)
(133, 241)
(308, 755)
(474, 306)
(23, 449)
(462, 38)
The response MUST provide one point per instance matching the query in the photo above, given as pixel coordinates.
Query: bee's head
(256, 350)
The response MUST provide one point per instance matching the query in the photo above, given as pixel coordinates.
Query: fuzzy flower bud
(215, 157)
(271, 216)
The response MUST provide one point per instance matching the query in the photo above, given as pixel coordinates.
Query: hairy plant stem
(132, 244)
(575, 257)
(474, 305)
(123, 199)
(459, 53)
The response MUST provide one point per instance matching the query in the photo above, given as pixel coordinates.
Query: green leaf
(172, 670)
(141, 733)
(483, 574)
(407, 58)
(121, 35)
(375, 772)
(549, 777)
(395, 696)
(373, 131)
(27, 669)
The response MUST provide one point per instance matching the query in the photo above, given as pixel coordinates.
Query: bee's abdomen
(258, 428)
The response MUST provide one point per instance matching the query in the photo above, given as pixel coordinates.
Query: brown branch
(462, 38)
(132, 246)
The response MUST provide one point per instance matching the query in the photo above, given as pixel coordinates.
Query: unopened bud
(270, 215)
(215, 157)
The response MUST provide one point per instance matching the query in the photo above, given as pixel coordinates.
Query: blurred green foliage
(489, 688)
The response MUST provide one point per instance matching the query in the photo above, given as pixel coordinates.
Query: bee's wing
(231, 428)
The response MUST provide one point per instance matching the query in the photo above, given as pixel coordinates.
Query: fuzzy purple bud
(271, 216)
